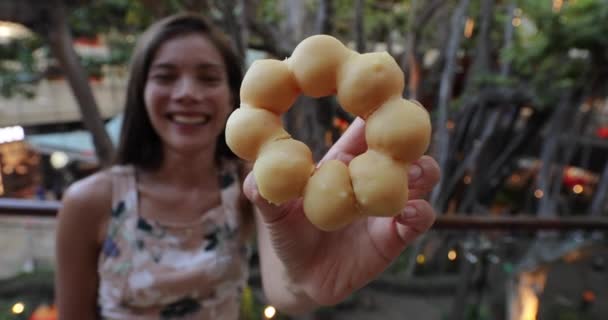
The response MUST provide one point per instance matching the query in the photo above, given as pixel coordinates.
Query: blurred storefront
(20, 174)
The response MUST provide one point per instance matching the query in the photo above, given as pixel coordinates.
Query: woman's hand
(329, 266)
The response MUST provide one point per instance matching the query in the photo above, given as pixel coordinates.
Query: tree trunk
(505, 65)
(233, 26)
(416, 23)
(412, 64)
(442, 136)
(471, 163)
(324, 13)
(60, 41)
(294, 30)
(549, 150)
(598, 205)
(360, 25)
(481, 62)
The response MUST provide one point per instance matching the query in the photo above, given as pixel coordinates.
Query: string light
(420, 259)
(270, 312)
(516, 21)
(452, 255)
(18, 308)
(468, 179)
(578, 189)
(469, 27)
(538, 193)
(59, 159)
(450, 125)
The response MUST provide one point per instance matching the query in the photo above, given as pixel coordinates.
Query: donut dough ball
(399, 128)
(270, 85)
(315, 62)
(368, 80)
(369, 85)
(247, 129)
(329, 200)
(380, 183)
(283, 169)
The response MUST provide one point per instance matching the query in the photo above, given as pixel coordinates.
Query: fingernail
(414, 172)
(408, 212)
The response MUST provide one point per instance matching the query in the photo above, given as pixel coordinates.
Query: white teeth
(190, 119)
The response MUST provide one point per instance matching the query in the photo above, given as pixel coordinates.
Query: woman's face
(187, 95)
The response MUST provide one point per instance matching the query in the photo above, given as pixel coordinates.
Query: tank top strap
(124, 189)
(230, 187)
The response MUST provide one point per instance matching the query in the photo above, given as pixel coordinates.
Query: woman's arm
(85, 205)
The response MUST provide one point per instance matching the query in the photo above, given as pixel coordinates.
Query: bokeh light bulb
(18, 308)
(270, 312)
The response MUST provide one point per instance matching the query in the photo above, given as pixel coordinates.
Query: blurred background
(518, 95)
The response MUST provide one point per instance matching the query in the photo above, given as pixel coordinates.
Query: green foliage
(18, 70)
(561, 50)
(102, 16)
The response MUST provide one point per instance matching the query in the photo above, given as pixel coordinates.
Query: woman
(163, 233)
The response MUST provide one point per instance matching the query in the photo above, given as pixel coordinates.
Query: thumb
(270, 213)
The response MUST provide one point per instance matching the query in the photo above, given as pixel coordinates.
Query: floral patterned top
(149, 270)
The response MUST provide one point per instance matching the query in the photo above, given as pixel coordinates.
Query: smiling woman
(187, 96)
(167, 221)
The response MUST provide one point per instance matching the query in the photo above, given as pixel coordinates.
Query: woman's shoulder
(88, 198)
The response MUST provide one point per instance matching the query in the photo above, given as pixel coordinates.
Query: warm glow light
(589, 296)
(539, 193)
(11, 30)
(452, 255)
(578, 189)
(450, 125)
(270, 312)
(420, 259)
(469, 26)
(530, 305)
(526, 112)
(18, 308)
(11, 134)
(515, 178)
(5, 32)
(59, 159)
(467, 179)
(516, 21)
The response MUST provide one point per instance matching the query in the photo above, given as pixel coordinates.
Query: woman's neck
(187, 170)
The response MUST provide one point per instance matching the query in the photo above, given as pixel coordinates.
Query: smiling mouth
(189, 119)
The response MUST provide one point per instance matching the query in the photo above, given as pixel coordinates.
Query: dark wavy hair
(139, 143)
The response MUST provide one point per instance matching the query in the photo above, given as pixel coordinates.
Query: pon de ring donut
(368, 85)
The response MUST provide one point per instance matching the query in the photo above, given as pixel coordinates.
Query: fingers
(423, 175)
(350, 144)
(417, 218)
(391, 235)
(271, 213)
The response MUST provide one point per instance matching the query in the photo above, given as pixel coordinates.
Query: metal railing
(38, 208)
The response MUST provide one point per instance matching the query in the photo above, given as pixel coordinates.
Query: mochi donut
(368, 85)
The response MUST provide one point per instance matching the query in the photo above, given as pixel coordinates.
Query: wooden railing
(36, 208)
(27, 207)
